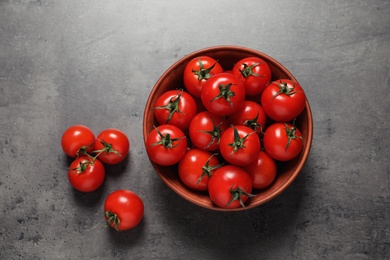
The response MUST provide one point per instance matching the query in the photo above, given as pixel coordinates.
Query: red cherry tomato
(198, 71)
(251, 115)
(283, 141)
(166, 145)
(123, 210)
(262, 171)
(254, 73)
(239, 145)
(78, 139)
(196, 168)
(206, 129)
(86, 174)
(223, 94)
(175, 107)
(283, 100)
(230, 186)
(112, 146)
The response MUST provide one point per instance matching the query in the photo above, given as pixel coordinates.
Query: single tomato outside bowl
(227, 56)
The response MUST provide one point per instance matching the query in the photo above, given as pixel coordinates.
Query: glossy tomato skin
(175, 107)
(194, 82)
(276, 141)
(283, 100)
(255, 73)
(86, 179)
(250, 114)
(250, 145)
(224, 180)
(158, 149)
(262, 170)
(196, 168)
(76, 137)
(119, 143)
(126, 206)
(206, 129)
(223, 94)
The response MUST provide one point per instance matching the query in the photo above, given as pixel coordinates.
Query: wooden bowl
(227, 56)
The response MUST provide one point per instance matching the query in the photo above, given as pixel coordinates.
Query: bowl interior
(227, 56)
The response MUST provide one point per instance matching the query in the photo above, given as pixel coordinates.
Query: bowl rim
(307, 110)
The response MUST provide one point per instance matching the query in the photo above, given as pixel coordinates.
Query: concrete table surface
(95, 62)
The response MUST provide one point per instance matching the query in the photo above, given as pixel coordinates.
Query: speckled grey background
(95, 62)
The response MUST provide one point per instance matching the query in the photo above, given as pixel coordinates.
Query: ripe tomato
(175, 107)
(230, 186)
(196, 168)
(262, 170)
(283, 100)
(223, 94)
(78, 139)
(86, 174)
(282, 141)
(254, 73)
(239, 145)
(198, 71)
(250, 114)
(123, 210)
(206, 129)
(166, 145)
(112, 146)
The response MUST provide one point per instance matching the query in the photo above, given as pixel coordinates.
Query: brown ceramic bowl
(227, 56)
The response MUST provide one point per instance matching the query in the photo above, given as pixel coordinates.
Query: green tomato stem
(237, 194)
(112, 219)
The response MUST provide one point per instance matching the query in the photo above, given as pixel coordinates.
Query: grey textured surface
(95, 62)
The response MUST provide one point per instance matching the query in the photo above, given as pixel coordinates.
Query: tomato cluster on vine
(123, 209)
(226, 130)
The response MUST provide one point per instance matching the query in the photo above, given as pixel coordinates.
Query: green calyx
(112, 219)
(284, 89)
(237, 193)
(290, 131)
(203, 73)
(238, 142)
(84, 150)
(106, 148)
(225, 92)
(166, 140)
(172, 106)
(82, 167)
(215, 133)
(248, 70)
(208, 169)
(253, 124)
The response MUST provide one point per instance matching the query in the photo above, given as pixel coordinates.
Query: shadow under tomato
(116, 170)
(126, 238)
(89, 199)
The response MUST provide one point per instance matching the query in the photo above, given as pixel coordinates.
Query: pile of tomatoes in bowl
(227, 128)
